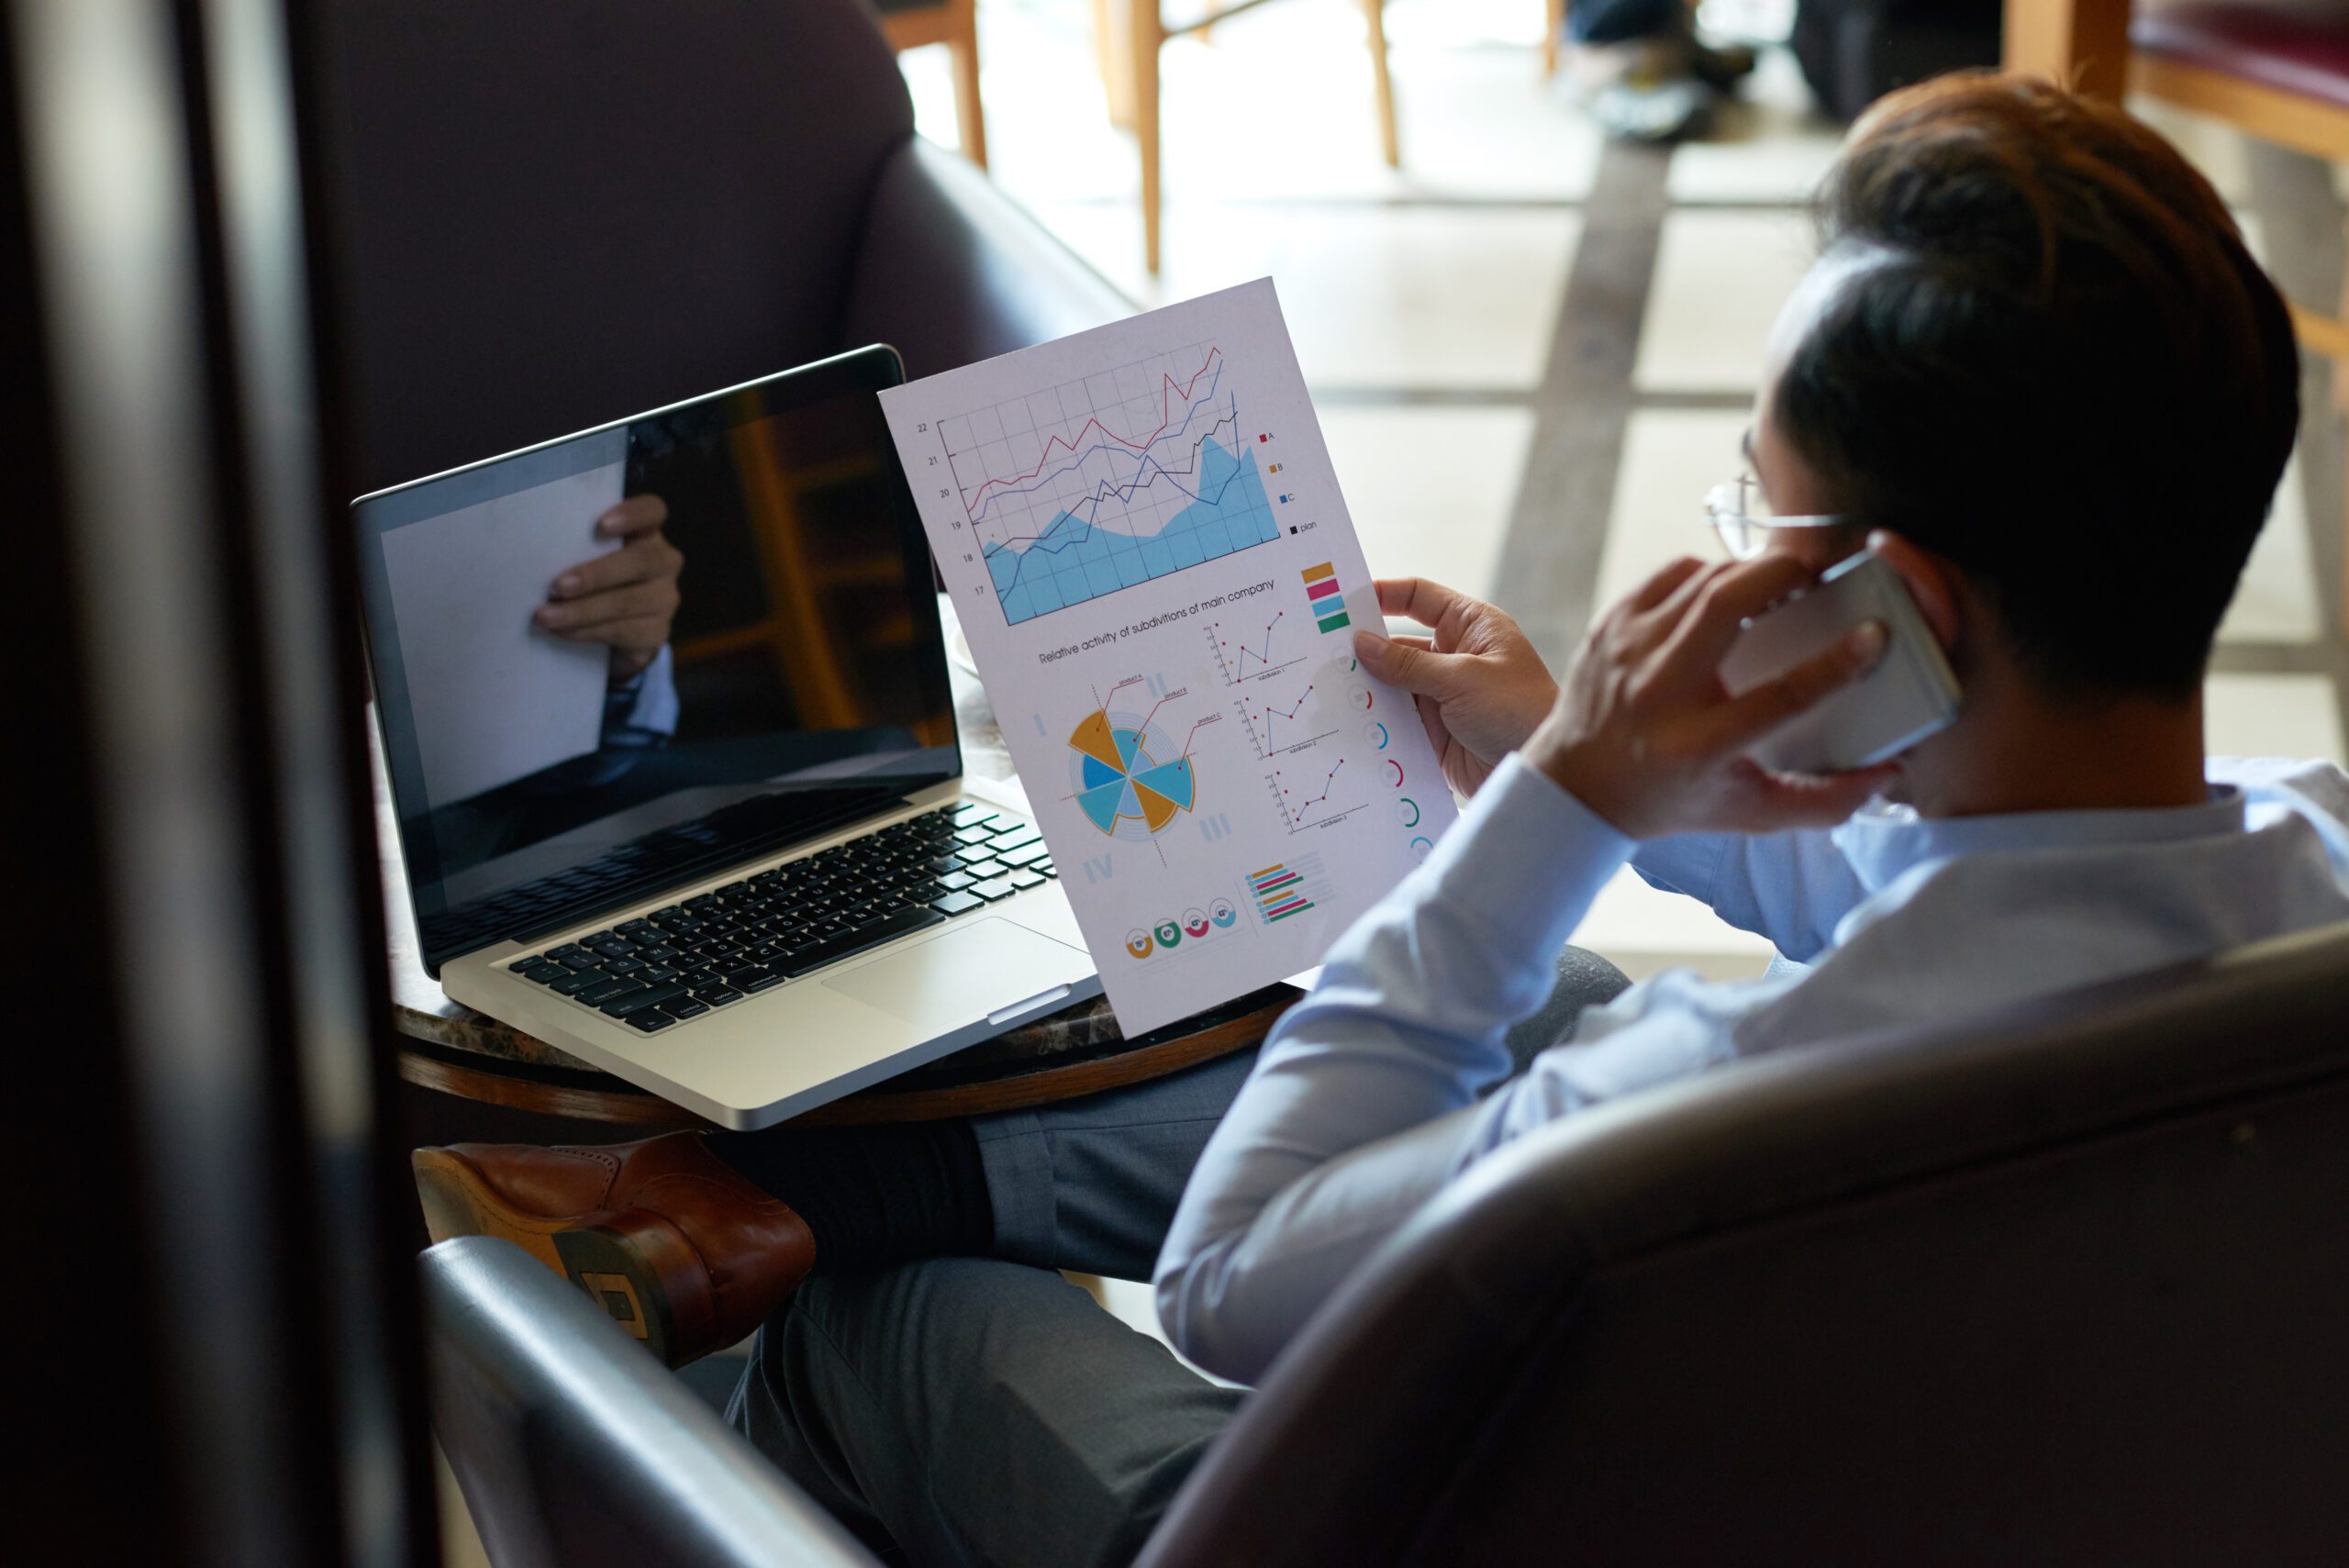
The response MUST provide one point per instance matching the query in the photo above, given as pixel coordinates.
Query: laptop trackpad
(968, 974)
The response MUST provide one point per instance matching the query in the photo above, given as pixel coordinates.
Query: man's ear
(1928, 581)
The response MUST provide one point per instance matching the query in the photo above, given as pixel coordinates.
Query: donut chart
(1123, 781)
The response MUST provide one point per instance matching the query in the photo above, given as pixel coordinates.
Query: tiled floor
(1719, 279)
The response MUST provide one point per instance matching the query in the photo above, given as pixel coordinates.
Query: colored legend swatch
(1321, 593)
(1279, 892)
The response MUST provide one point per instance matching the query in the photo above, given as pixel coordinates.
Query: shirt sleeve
(1403, 1028)
(642, 711)
(1791, 888)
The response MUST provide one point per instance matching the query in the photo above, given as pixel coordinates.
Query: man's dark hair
(2065, 374)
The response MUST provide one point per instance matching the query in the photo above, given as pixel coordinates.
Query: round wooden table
(465, 1075)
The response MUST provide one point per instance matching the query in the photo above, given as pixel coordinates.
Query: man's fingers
(637, 514)
(1660, 586)
(642, 634)
(1709, 613)
(1410, 663)
(1416, 598)
(640, 560)
(1752, 715)
(596, 610)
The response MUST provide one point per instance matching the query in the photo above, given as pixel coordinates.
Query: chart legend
(1329, 602)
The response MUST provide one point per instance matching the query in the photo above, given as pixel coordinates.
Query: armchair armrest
(575, 1447)
(950, 270)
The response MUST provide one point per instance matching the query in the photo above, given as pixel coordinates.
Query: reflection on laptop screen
(798, 681)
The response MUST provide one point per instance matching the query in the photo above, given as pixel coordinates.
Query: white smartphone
(1910, 694)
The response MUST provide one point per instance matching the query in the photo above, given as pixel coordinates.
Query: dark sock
(873, 1194)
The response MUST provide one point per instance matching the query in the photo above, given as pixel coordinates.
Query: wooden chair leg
(1143, 36)
(1375, 11)
(970, 116)
(2081, 43)
(1116, 78)
(1557, 12)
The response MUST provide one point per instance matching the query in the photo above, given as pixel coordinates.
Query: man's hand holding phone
(1646, 735)
(1644, 732)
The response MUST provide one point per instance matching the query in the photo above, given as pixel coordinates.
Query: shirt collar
(1883, 842)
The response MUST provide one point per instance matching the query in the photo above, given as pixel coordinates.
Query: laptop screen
(745, 651)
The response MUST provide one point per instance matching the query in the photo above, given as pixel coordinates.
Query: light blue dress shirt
(1380, 1086)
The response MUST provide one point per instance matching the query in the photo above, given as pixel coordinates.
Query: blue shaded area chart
(1131, 474)
(1074, 561)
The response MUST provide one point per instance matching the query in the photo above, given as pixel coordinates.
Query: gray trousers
(984, 1410)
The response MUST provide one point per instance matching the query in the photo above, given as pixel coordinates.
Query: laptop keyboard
(687, 959)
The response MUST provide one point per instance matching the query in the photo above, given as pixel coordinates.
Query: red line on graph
(1298, 812)
(1165, 418)
(1288, 713)
(1265, 657)
(1194, 730)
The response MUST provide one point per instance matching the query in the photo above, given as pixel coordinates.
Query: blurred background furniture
(1854, 52)
(2092, 1240)
(1129, 33)
(741, 192)
(911, 24)
(2276, 70)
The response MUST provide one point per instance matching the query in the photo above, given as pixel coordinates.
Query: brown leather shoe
(683, 1252)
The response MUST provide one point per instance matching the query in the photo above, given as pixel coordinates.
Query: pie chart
(1129, 781)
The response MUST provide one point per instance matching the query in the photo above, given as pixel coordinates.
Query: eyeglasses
(1741, 515)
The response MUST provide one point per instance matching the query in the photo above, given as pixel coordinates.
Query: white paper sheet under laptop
(1159, 579)
(753, 877)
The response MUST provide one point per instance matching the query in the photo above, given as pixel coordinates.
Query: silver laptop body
(754, 878)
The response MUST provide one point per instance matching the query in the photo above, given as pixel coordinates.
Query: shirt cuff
(1527, 860)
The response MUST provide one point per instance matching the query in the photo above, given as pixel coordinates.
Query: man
(2036, 370)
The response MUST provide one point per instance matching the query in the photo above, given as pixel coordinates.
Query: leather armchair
(2068, 1282)
(547, 213)
(575, 1449)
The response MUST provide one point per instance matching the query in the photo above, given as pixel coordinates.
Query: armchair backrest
(2066, 1282)
(575, 1449)
(552, 213)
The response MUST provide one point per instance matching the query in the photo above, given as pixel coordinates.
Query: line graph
(1304, 802)
(1232, 651)
(1278, 731)
(1080, 490)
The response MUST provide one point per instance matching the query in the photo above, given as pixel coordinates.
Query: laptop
(749, 876)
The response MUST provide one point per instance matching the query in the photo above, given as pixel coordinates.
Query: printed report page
(1153, 563)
